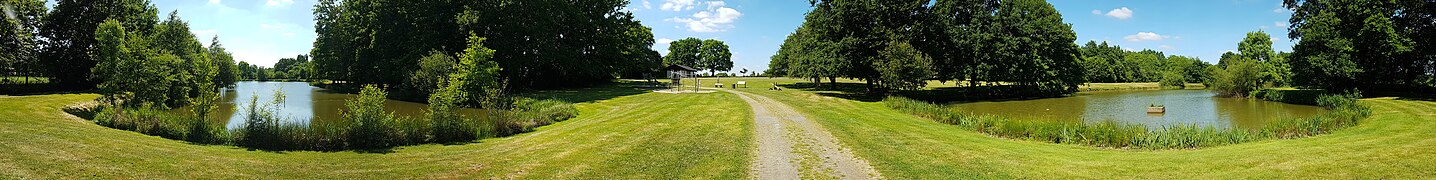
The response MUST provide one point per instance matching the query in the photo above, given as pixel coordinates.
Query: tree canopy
(69, 34)
(1347, 44)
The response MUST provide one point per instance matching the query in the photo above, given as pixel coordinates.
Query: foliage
(1174, 79)
(433, 69)
(447, 124)
(18, 43)
(685, 52)
(1346, 112)
(1363, 44)
(69, 35)
(370, 126)
(132, 73)
(1238, 79)
(572, 44)
(226, 71)
(478, 75)
(965, 40)
(903, 67)
(715, 56)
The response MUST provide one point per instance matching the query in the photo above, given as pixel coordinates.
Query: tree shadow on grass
(590, 94)
(858, 92)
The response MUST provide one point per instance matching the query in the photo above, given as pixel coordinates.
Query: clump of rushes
(1346, 111)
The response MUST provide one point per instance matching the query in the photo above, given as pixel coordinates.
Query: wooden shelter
(676, 73)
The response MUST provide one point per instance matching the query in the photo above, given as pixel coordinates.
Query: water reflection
(1184, 107)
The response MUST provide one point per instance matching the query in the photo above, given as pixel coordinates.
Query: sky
(263, 31)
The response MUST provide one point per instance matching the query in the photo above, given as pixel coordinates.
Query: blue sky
(262, 31)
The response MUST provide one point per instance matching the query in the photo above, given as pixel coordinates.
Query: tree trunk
(833, 83)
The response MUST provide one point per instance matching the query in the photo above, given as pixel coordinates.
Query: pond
(302, 103)
(1184, 107)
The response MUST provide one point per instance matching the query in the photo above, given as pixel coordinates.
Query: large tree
(18, 45)
(715, 57)
(685, 52)
(69, 34)
(1347, 44)
(226, 71)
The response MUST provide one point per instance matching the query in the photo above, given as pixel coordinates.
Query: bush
(448, 126)
(1174, 79)
(370, 126)
(1346, 112)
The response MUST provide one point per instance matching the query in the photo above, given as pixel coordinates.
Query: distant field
(621, 133)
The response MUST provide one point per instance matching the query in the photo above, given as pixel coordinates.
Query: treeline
(1111, 64)
(1364, 44)
(295, 68)
(898, 45)
(387, 41)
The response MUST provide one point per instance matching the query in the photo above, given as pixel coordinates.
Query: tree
(903, 67)
(69, 34)
(685, 52)
(715, 57)
(226, 72)
(1346, 44)
(132, 74)
(478, 75)
(433, 70)
(1238, 79)
(194, 72)
(18, 45)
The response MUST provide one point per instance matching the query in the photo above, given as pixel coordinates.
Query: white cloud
(1278, 10)
(278, 2)
(718, 19)
(214, 1)
(1097, 12)
(1120, 13)
(1145, 36)
(1166, 47)
(1281, 24)
(1262, 27)
(677, 5)
(663, 41)
(647, 5)
(715, 4)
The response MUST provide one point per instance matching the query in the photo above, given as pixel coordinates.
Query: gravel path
(791, 147)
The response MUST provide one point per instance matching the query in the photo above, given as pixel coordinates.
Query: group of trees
(387, 42)
(119, 46)
(18, 29)
(1346, 44)
(1111, 64)
(298, 67)
(710, 55)
(901, 44)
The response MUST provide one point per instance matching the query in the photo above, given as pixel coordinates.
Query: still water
(302, 103)
(1184, 107)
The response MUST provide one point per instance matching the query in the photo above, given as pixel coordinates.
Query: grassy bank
(1396, 142)
(620, 134)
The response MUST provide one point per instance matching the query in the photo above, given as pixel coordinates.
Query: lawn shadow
(591, 94)
(39, 89)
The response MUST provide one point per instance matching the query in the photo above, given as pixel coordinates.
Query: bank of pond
(1192, 118)
(297, 116)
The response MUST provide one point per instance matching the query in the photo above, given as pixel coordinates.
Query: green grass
(1398, 141)
(23, 80)
(633, 136)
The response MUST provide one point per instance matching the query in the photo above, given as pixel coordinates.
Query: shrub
(1174, 79)
(370, 126)
(447, 125)
(145, 120)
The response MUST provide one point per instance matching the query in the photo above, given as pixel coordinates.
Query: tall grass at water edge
(1346, 111)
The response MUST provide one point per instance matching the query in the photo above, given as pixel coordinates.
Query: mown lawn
(1397, 142)
(618, 135)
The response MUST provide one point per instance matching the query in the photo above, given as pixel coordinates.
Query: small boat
(1157, 109)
